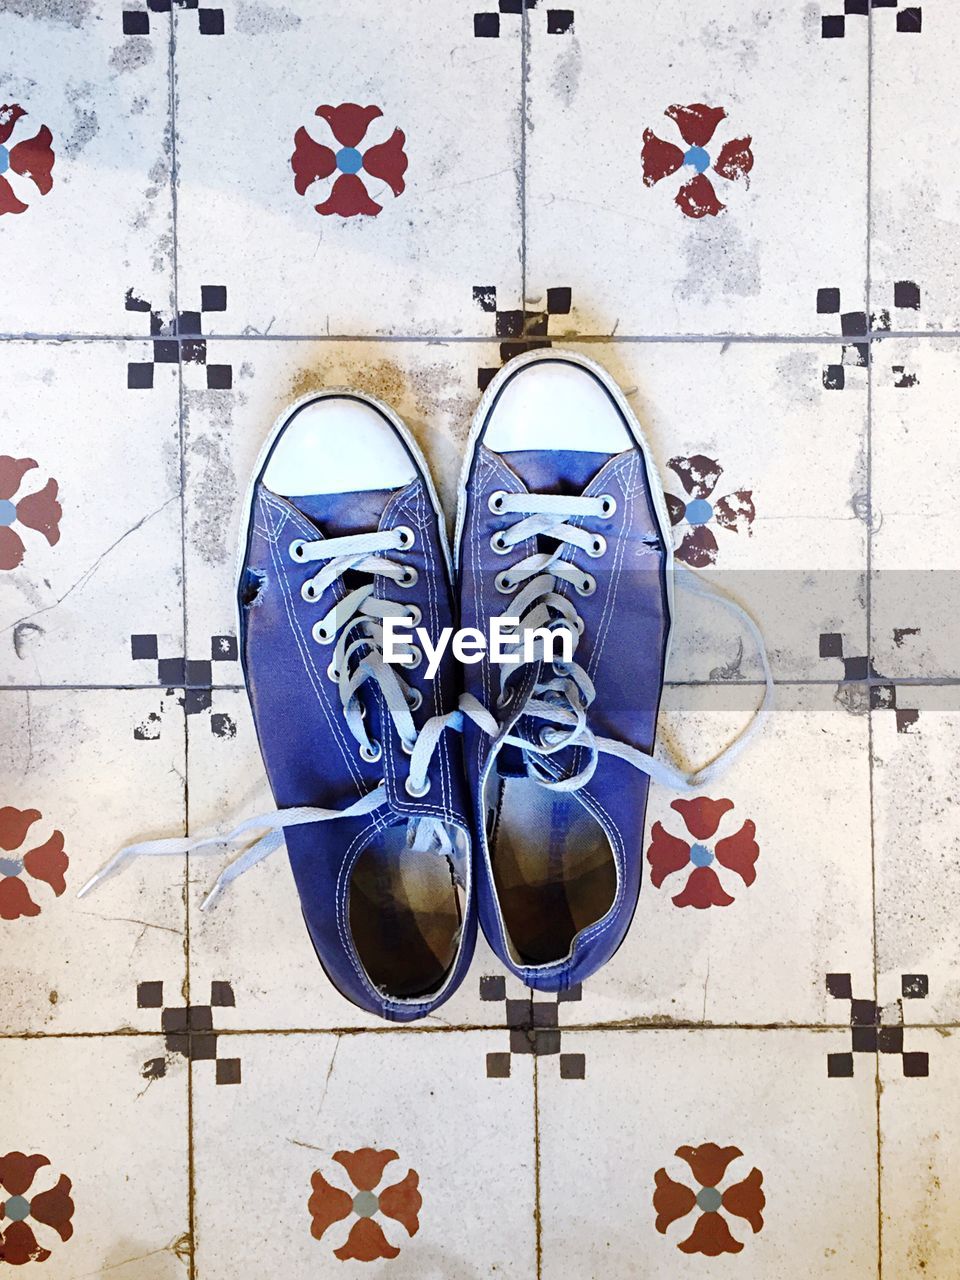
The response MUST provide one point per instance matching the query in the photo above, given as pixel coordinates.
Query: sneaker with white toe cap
(343, 530)
(562, 525)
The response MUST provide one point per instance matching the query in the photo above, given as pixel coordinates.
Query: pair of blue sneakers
(514, 790)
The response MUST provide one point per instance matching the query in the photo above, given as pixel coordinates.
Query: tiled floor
(748, 212)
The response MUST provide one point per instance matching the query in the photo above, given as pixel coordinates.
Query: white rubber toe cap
(549, 404)
(337, 444)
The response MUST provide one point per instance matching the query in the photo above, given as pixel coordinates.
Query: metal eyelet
(504, 583)
(609, 504)
(406, 536)
(498, 545)
(587, 587)
(409, 577)
(415, 700)
(415, 658)
(308, 591)
(371, 753)
(412, 791)
(504, 698)
(320, 635)
(496, 499)
(407, 747)
(414, 616)
(597, 547)
(295, 550)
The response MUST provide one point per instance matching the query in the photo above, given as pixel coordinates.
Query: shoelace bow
(561, 697)
(354, 626)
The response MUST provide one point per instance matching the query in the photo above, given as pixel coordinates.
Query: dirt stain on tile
(720, 260)
(255, 19)
(565, 81)
(214, 482)
(131, 55)
(70, 13)
(86, 126)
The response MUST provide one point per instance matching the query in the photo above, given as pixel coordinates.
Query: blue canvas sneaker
(343, 531)
(562, 525)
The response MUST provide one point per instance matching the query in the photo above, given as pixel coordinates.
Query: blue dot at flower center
(697, 158)
(700, 855)
(349, 160)
(699, 511)
(8, 512)
(4, 159)
(17, 1208)
(709, 1199)
(10, 866)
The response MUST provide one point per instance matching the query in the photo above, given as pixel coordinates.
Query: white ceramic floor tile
(81, 778)
(740, 433)
(95, 558)
(432, 386)
(305, 1100)
(114, 1148)
(777, 863)
(916, 545)
(920, 1165)
(917, 830)
(85, 196)
(405, 232)
(607, 1203)
(793, 187)
(915, 279)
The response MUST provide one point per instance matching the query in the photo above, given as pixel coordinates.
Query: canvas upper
(386, 893)
(559, 822)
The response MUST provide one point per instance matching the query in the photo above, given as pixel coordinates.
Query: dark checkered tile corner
(534, 1026)
(871, 1031)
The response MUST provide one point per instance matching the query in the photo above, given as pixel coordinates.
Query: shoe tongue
(556, 470)
(339, 514)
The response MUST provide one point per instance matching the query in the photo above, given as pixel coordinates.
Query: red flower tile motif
(39, 510)
(52, 1208)
(45, 862)
(711, 1233)
(697, 198)
(733, 512)
(30, 158)
(349, 194)
(400, 1201)
(668, 853)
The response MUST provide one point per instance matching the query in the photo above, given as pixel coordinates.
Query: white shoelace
(354, 626)
(562, 696)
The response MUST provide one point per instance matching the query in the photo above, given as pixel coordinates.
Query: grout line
(537, 1213)
(747, 339)
(174, 172)
(869, 623)
(628, 1028)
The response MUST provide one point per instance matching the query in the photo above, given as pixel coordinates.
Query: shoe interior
(553, 868)
(406, 913)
